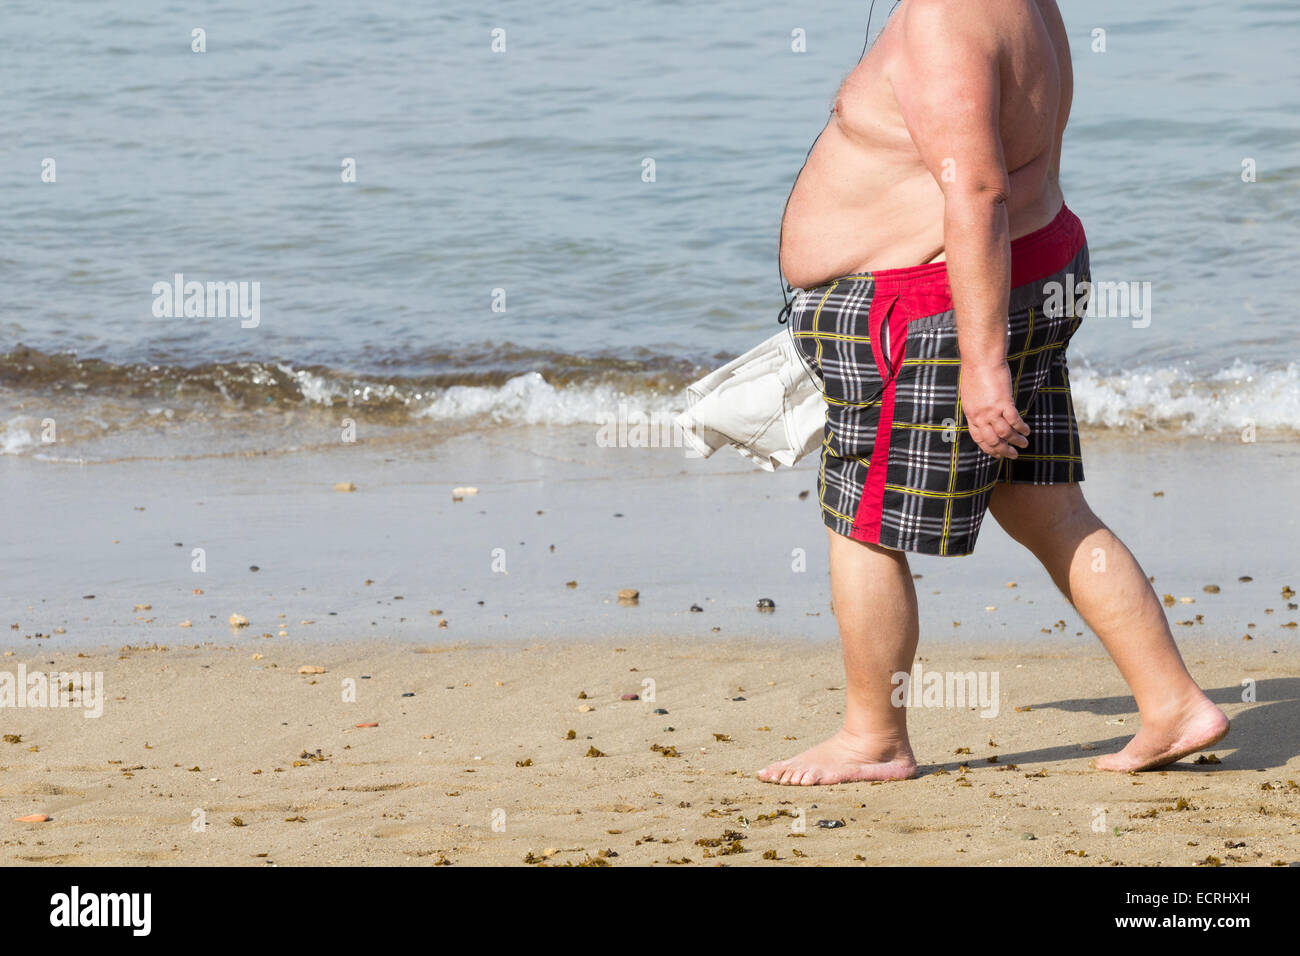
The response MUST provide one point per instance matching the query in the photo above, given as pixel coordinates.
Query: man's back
(868, 199)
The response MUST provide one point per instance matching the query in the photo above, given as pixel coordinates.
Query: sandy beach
(212, 748)
(227, 755)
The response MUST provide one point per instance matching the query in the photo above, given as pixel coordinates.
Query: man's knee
(1035, 515)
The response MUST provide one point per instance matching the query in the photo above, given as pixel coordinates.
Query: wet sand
(554, 507)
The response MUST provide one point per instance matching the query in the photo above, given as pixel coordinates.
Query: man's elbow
(980, 205)
(985, 192)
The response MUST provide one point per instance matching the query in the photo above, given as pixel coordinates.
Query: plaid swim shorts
(898, 466)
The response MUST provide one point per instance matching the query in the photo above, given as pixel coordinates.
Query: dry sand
(209, 734)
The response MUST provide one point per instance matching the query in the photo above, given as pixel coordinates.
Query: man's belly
(858, 209)
(855, 209)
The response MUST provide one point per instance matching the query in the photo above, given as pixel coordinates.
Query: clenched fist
(990, 409)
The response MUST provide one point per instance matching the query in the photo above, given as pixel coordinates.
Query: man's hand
(990, 410)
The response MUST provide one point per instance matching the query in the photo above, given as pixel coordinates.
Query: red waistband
(1033, 256)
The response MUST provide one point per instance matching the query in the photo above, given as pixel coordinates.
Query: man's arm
(948, 87)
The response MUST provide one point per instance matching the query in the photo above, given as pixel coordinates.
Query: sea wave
(88, 400)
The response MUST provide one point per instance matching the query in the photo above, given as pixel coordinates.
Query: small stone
(585, 708)
(629, 697)
(696, 609)
(766, 604)
(344, 486)
(238, 620)
(660, 711)
(34, 818)
(409, 694)
(570, 584)
(462, 492)
(373, 723)
(311, 669)
(629, 594)
(254, 567)
(1211, 589)
(185, 624)
(1028, 836)
(830, 824)
(144, 607)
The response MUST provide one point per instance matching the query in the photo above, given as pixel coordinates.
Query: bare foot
(1161, 742)
(842, 759)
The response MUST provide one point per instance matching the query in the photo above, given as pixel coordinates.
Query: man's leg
(1119, 604)
(875, 607)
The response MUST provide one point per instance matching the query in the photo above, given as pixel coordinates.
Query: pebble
(34, 818)
(766, 604)
(660, 710)
(830, 824)
(408, 694)
(238, 620)
(311, 669)
(630, 697)
(462, 492)
(371, 724)
(696, 608)
(344, 486)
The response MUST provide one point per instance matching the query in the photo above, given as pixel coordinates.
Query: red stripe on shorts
(921, 291)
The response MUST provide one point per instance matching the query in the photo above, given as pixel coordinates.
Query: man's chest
(866, 110)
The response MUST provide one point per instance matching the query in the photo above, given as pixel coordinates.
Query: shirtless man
(924, 235)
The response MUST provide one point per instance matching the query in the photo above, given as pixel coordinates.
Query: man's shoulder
(957, 20)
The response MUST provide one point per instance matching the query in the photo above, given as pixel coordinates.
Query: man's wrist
(981, 362)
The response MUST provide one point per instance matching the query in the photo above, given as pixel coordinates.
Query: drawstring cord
(787, 310)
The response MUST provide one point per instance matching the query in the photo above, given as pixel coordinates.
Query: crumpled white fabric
(766, 404)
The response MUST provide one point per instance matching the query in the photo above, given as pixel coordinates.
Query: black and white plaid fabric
(925, 486)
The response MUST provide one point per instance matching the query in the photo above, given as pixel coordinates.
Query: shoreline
(553, 507)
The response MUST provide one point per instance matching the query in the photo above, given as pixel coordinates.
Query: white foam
(530, 400)
(1172, 399)
(15, 438)
(1232, 399)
